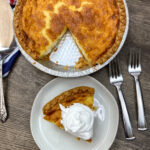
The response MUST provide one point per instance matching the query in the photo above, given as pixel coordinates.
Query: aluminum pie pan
(53, 68)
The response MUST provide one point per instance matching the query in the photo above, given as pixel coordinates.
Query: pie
(83, 95)
(97, 26)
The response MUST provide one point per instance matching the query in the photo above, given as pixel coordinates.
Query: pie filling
(71, 109)
(97, 26)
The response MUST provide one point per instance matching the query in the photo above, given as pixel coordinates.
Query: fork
(116, 79)
(134, 69)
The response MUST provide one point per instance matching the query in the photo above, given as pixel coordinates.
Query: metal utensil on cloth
(6, 38)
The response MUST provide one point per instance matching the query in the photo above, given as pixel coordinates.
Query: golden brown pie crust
(82, 94)
(106, 48)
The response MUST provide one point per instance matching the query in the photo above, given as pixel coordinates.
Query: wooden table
(23, 83)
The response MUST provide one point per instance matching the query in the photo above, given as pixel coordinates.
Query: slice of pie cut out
(97, 26)
(83, 95)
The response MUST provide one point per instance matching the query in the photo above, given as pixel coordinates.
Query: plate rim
(83, 72)
(97, 82)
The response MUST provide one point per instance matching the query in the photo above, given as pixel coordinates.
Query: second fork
(116, 79)
(135, 70)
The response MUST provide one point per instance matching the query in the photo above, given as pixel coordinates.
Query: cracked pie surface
(97, 26)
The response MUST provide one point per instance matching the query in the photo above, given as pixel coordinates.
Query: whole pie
(83, 95)
(97, 26)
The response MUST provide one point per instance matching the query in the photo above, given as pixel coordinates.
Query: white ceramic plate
(68, 54)
(49, 137)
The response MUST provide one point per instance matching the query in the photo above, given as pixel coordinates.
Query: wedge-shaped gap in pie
(96, 25)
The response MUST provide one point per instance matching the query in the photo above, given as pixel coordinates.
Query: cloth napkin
(12, 2)
(10, 59)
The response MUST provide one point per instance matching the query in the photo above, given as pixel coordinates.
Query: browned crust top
(67, 98)
(29, 45)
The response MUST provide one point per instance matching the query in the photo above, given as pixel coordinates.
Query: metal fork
(116, 79)
(134, 69)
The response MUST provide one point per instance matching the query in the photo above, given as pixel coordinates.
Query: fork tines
(114, 69)
(134, 59)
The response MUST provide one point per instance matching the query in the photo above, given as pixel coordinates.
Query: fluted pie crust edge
(101, 59)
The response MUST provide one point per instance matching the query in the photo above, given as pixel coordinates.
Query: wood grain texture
(24, 81)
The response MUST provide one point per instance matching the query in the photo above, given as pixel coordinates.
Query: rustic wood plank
(23, 83)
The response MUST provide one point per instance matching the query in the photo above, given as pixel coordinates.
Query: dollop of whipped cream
(78, 120)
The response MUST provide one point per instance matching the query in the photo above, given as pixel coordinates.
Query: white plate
(49, 137)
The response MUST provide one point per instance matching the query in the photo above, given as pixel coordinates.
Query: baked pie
(97, 26)
(83, 95)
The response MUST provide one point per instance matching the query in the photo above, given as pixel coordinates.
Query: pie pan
(62, 61)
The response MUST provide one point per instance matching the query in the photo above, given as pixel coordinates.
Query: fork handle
(126, 120)
(3, 111)
(141, 117)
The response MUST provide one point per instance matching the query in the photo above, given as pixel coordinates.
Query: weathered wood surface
(23, 83)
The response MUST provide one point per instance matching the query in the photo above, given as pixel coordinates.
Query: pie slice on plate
(83, 95)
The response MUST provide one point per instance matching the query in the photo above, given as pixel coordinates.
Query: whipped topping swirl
(78, 120)
(100, 112)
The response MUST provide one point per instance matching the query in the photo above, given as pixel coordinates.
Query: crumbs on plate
(81, 63)
(95, 68)
(65, 67)
(55, 49)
